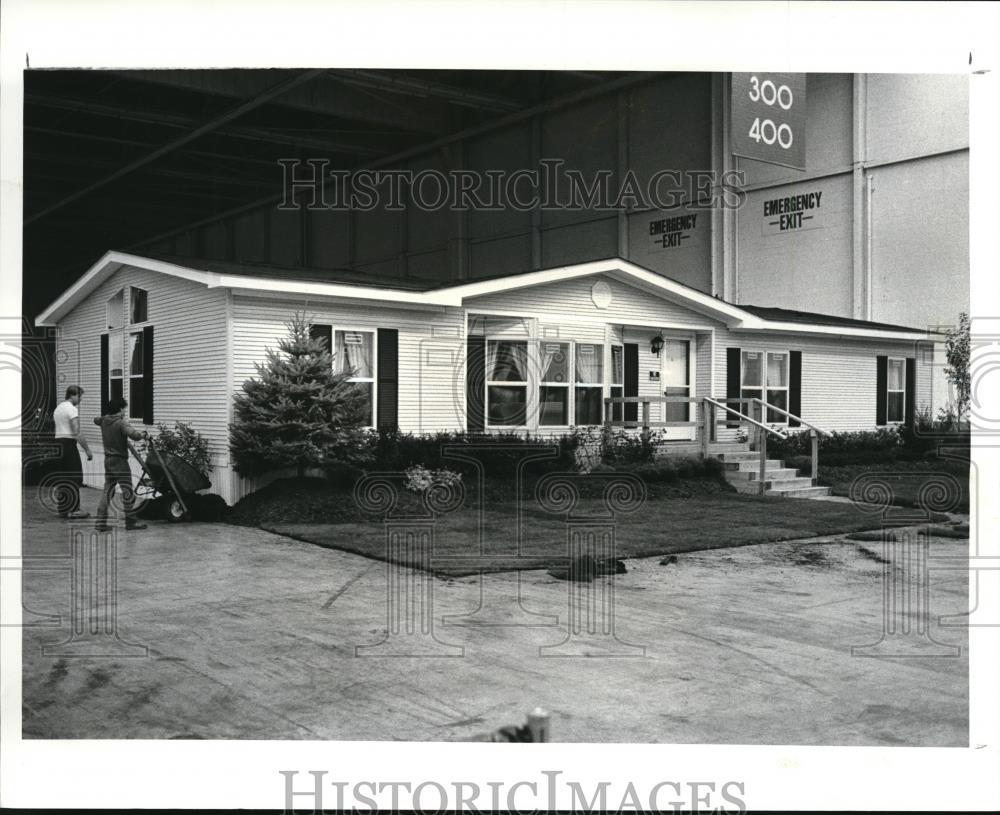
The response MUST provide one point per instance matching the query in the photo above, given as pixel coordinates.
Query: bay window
(506, 383)
(553, 388)
(589, 382)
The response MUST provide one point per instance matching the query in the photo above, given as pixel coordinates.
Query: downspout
(869, 189)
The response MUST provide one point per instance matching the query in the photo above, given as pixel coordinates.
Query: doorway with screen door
(675, 377)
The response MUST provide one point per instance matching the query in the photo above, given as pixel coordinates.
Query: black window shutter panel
(104, 374)
(387, 416)
(910, 407)
(881, 386)
(733, 381)
(323, 332)
(147, 375)
(475, 384)
(795, 387)
(630, 385)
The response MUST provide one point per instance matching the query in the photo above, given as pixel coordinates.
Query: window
(354, 353)
(777, 386)
(115, 365)
(751, 375)
(116, 311)
(617, 379)
(506, 383)
(135, 376)
(766, 374)
(553, 388)
(137, 301)
(589, 383)
(896, 387)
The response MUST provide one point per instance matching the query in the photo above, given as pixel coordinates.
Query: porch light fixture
(656, 344)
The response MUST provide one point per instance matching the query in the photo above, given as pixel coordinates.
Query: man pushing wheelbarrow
(115, 432)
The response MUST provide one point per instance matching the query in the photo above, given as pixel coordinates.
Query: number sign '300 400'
(769, 118)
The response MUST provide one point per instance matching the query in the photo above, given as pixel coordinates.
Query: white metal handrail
(746, 418)
(799, 419)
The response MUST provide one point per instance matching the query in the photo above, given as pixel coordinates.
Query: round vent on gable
(600, 293)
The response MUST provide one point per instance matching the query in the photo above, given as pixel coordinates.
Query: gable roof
(346, 283)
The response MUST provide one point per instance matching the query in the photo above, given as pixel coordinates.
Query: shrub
(183, 441)
(671, 470)
(619, 447)
(395, 451)
(904, 443)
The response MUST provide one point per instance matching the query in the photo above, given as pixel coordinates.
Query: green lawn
(664, 525)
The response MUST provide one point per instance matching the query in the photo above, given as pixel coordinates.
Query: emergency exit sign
(769, 118)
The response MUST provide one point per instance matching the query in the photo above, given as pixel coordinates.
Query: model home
(534, 353)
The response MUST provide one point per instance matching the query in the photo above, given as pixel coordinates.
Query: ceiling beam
(212, 124)
(421, 87)
(257, 182)
(146, 145)
(603, 89)
(323, 96)
(182, 122)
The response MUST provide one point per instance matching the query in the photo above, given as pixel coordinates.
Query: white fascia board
(617, 268)
(92, 278)
(110, 263)
(836, 331)
(396, 297)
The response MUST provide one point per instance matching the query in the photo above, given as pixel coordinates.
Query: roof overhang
(464, 294)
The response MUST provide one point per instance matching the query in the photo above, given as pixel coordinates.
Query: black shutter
(104, 374)
(795, 387)
(387, 415)
(881, 389)
(732, 383)
(323, 332)
(475, 384)
(911, 391)
(147, 375)
(630, 385)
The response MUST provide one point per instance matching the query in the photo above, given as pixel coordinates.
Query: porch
(741, 445)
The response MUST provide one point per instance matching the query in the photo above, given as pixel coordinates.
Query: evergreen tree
(298, 412)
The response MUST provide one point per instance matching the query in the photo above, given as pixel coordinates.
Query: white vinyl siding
(431, 351)
(838, 375)
(572, 298)
(189, 342)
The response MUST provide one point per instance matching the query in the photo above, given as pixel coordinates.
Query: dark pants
(69, 477)
(116, 474)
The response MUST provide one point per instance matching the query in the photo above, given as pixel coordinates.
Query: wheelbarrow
(172, 477)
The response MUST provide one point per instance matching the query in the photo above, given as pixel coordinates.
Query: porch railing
(708, 419)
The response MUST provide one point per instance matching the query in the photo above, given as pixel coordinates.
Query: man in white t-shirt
(70, 469)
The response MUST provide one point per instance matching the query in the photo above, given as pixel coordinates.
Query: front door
(675, 377)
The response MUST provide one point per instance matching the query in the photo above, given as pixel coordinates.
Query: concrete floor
(251, 635)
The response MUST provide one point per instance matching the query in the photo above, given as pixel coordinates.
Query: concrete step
(790, 484)
(779, 474)
(751, 465)
(803, 492)
(772, 487)
(740, 455)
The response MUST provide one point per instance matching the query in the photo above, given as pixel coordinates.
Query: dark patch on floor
(810, 557)
(57, 673)
(97, 679)
(868, 553)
